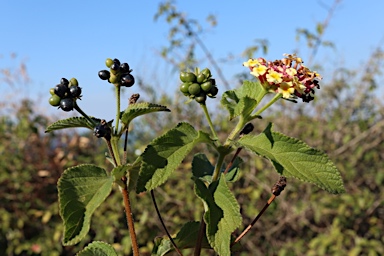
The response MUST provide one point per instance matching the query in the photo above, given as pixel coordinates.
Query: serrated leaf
(243, 100)
(293, 158)
(98, 248)
(185, 238)
(139, 109)
(81, 190)
(165, 153)
(73, 122)
(222, 214)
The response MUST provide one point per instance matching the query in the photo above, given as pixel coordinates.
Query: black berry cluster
(119, 73)
(64, 94)
(198, 86)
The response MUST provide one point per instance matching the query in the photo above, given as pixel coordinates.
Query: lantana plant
(83, 188)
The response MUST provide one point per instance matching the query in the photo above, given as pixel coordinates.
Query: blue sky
(73, 38)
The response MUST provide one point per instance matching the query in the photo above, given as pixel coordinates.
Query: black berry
(124, 68)
(116, 61)
(127, 80)
(60, 90)
(75, 91)
(67, 104)
(64, 81)
(104, 74)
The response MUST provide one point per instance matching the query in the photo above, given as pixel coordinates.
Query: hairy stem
(117, 88)
(115, 149)
(111, 152)
(205, 109)
(130, 222)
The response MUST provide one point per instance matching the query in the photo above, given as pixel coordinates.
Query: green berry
(73, 82)
(194, 89)
(52, 91)
(206, 86)
(108, 62)
(201, 78)
(201, 98)
(184, 87)
(54, 100)
(113, 79)
(206, 72)
(187, 77)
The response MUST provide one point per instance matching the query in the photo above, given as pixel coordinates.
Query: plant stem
(83, 114)
(115, 149)
(215, 177)
(219, 164)
(205, 109)
(130, 222)
(117, 87)
(110, 149)
(273, 100)
(232, 160)
(163, 224)
(255, 220)
(125, 146)
(236, 130)
(200, 237)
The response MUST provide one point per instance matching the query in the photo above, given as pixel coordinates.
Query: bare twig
(163, 224)
(276, 190)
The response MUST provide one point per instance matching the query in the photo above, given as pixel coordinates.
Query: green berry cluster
(118, 73)
(64, 94)
(198, 86)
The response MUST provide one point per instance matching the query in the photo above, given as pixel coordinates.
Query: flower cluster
(287, 76)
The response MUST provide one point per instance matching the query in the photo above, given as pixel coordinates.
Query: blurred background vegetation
(346, 121)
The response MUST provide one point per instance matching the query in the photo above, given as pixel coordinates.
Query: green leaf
(98, 248)
(293, 158)
(203, 169)
(222, 214)
(243, 100)
(165, 153)
(139, 109)
(161, 246)
(186, 238)
(81, 190)
(233, 173)
(73, 122)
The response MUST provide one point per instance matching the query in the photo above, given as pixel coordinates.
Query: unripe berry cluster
(198, 86)
(64, 94)
(118, 73)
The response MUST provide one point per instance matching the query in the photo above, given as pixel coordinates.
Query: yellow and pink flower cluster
(287, 76)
